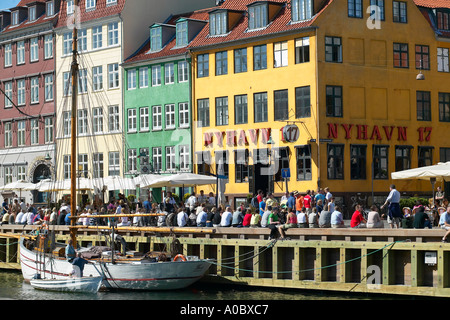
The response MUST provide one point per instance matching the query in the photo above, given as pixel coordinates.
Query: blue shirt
(336, 217)
(291, 202)
(445, 217)
(262, 207)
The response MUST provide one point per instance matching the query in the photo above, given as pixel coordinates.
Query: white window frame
(113, 76)
(48, 46)
(21, 172)
(82, 81)
(21, 92)
(183, 71)
(97, 78)
(183, 114)
(15, 18)
(131, 76)
(156, 117)
(82, 125)
(97, 37)
(170, 158)
(113, 34)
(132, 120)
(34, 90)
(20, 52)
(280, 54)
(98, 166)
(48, 130)
(90, 5)
(70, 7)
(8, 174)
(67, 43)
(67, 123)
(48, 79)
(157, 159)
(67, 166)
(8, 54)
(113, 119)
(170, 115)
(50, 8)
(82, 40)
(97, 120)
(67, 84)
(32, 13)
(144, 124)
(113, 163)
(184, 157)
(34, 49)
(34, 131)
(21, 133)
(169, 73)
(132, 160)
(8, 93)
(143, 77)
(8, 134)
(156, 76)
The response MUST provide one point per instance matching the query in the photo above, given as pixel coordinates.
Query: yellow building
(340, 74)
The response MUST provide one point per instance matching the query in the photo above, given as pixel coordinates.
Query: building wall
(376, 94)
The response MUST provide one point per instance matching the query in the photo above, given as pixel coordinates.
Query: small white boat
(84, 284)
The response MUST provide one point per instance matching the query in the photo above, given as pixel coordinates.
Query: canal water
(13, 287)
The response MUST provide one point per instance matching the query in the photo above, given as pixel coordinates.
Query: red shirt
(307, 201)
(247, 218)
(357, 218)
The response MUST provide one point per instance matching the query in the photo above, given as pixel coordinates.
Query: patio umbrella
(437, 172)
(181, 180)
(116, 183)
(18, 185)
(145, 179)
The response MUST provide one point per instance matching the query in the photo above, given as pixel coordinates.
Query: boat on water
(145, 272)
(82, 285)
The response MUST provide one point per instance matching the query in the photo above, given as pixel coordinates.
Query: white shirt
(191, 201)
(182, 218)
(301, 217)
(227, 216)
(394, 196)
(19, 217)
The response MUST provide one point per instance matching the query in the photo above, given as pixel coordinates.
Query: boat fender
(179, 257)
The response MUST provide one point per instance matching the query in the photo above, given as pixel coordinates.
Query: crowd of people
(294, 210)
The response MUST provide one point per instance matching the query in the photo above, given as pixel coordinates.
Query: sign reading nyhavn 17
(366, 132)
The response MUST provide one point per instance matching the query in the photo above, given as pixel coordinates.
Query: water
(13, 287)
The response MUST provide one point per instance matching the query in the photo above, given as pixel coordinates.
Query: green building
(157, 100)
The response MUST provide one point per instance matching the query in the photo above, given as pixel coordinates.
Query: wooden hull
(85, 284)
(139, 275)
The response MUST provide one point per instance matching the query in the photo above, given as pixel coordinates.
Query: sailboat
(41, 257)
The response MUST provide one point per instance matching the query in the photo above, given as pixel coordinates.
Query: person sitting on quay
(255, 220)
(421, 219)
(302, 219)
(238, 218)
(325, 217)
(444, 223)
(373, 219)
(273, 223)
(202, 217)
(217, 217)
(210, 216)
(227, 217)
(182, 217)
(291, 222)
(313, 219)
(337, 219)
(247, 218)
(265, 217)
(358, 220)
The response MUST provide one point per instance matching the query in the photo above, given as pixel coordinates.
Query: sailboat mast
(73, 156)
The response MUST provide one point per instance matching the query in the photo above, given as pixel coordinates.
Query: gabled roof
(101, 11)
(279, 24)
(433, 4)
(426, 6)
(43, 18)
(144, 54)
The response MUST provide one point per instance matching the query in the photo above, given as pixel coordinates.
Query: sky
(7, 4)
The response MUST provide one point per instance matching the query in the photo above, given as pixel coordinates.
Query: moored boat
(143, 273)
(82, 285)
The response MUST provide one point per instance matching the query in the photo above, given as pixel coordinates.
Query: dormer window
(111, 2)
(15, 18)
(50, 8)
(31, 13)
(155, 39)
(90, 4)
(182, 33)
(257, 16)
(443, 20)
(70, 7)
(218, 23)
(301, 10)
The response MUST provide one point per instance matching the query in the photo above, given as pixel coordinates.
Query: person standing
(394, 212)
(307, 201)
